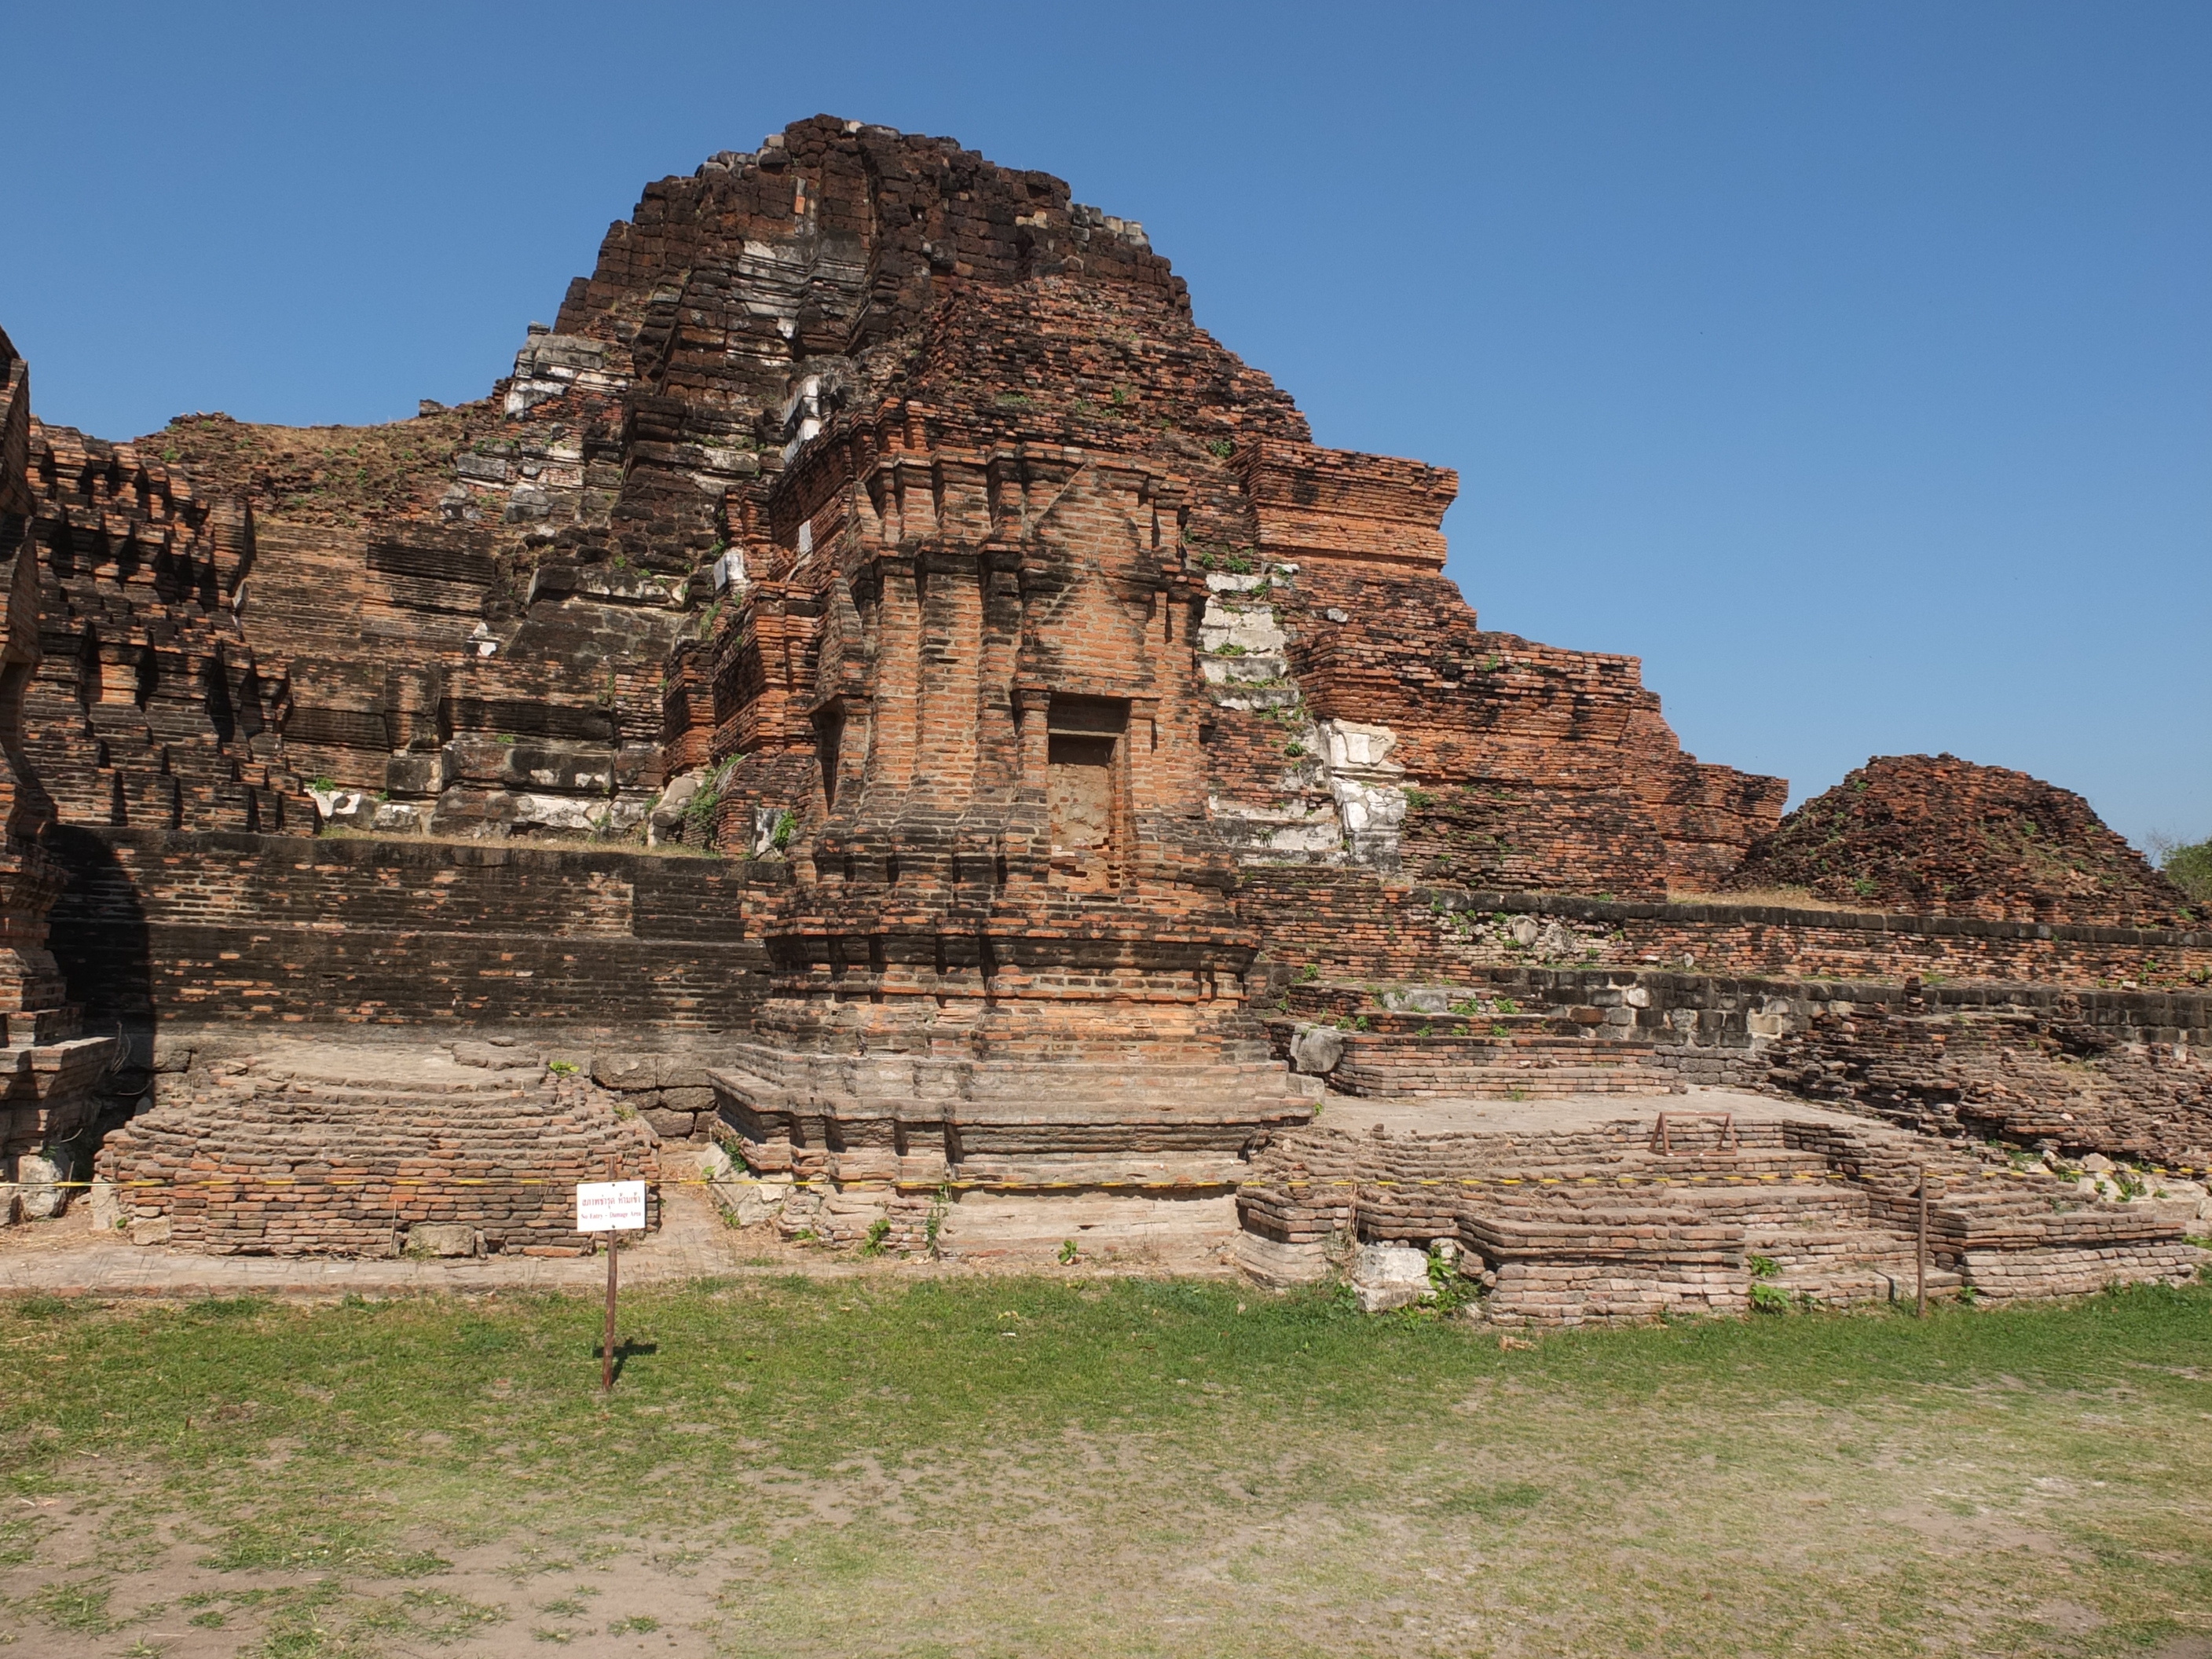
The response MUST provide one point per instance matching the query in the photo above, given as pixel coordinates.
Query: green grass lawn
(884, 1467)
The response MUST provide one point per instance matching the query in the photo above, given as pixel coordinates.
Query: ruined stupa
(880, 690)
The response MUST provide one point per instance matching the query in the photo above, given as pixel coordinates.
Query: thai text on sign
(609, 1206)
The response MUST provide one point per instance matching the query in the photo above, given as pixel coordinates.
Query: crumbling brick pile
(1941, 836)
(1617, 1221)
(322, 1150)
(1521, 767)
(2032, 1076)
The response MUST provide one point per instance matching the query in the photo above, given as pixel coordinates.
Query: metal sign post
(607, 1343)
(610, 1207)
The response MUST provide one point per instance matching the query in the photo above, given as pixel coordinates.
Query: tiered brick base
(873, 1136)
(1597, 1221)
(370, 1149)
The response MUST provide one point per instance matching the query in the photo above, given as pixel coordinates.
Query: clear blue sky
(1850, 363)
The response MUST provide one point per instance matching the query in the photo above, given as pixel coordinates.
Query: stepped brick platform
(1512, 1057)
(871, 1137)
(2125, 1074)
(312, 1148)
(1576, 1212)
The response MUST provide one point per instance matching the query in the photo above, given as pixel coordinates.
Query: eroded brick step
(343, 1095)
(1552, 1023)
(1499, 1082)
(1486, 1050)
(1550, 1084)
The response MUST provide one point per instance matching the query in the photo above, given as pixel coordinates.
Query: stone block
(37, 1178)
(444, 1238)
(626, 1073)
(1387, 1276)
(426, 775)
(150, 1230)
(1316, 1049)
(173, 1053)
(1278, 1264)
(109, 1213)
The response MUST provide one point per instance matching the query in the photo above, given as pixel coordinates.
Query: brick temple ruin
(881, 706)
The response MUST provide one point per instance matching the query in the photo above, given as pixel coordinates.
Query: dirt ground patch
(871, 1465)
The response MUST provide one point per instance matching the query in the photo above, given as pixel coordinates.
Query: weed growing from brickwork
(890, 1465)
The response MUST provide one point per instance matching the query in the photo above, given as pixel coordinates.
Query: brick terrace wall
(171, 928)
(232, 1165)
(1352, 926)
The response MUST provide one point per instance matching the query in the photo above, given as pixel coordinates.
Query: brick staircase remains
(1611, 1220)
(1473, 1040)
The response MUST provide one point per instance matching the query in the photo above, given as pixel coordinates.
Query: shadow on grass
(625, 1350)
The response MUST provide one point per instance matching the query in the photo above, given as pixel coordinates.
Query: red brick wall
(1352, 925)
(184, 928)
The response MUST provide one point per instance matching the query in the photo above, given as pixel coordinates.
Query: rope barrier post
(1920, 1255)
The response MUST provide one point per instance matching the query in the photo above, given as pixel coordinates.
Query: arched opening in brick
(1084, 743)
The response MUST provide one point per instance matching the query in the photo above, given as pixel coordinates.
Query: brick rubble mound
(1934, 834)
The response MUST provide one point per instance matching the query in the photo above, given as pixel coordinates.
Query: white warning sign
(609, 1206)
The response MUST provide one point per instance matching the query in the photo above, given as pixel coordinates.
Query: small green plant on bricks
(1767, 1297)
